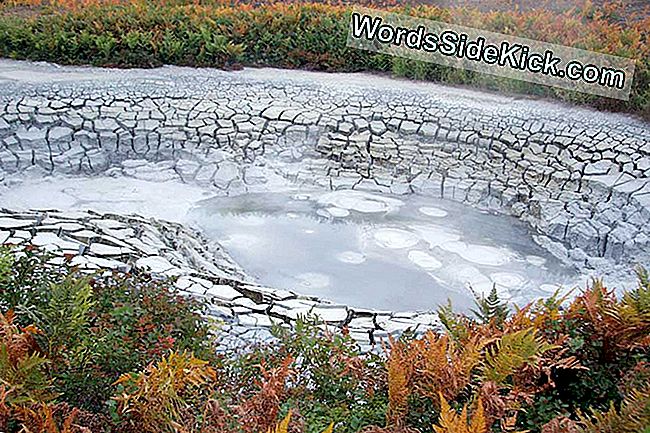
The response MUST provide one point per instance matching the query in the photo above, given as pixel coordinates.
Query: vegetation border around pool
(146, 33)
(122, 352)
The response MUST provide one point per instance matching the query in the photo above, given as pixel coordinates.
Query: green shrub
(25, 280)
(96, 327)
(336, 382)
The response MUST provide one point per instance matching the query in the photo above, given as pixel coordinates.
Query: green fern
(643, 276)
(64, 317)
(491, 308)
(639, 298)
(511, 352)
(631, 316)
(22, 375)
(455, 323)
(25, 377)
(632, 417)
(6, 263)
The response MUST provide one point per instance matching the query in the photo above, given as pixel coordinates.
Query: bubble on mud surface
(507, 279)
(351, 257)
(424, 260)
(478, 254)
(338, 212)
(395, 238)
(470, 276)
(535, 260)
(360, 201)
(436, 235)
(433, 212)
(313, 280)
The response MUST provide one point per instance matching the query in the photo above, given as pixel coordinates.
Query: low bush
(110, 352)
(226, 34)
(93, 328)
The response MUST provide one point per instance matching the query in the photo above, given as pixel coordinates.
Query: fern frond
(637, 302)
(632, 417)
(561, 424)
(259, 411)
(6, 263)
(491, 309)
(157, 395)
(282, 426)
(478, 422)
(443, 366)
(457, 325)
(400, 366)
(452, 422)
(511, 352)
(644, 278)
(547, 311)
(21, 363)
(65, 317)
(619, 325)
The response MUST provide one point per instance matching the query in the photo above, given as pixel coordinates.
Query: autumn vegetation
(124, 352)
(231, 34)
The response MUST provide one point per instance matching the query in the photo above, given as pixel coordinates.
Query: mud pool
(189, 173)
(379, 251)
(361, 249)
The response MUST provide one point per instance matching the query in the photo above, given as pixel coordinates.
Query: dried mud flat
(106, 165)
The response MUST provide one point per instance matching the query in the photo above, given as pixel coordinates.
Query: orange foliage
(20, 343)
(560, 424)
(21, 363)
(5, 411)
(444, 366)
(400, 366)
(618, 324)
(453, 422)
(431, 366)
(156, 399)
(498, 407)
(41, 419)
(259, 413)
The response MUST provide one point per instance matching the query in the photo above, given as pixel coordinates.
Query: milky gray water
(378, 251)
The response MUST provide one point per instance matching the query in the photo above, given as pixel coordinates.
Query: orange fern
(619, 325)
(41, 419)
(442, 366)
(400, 367)
(453, 422)
(155, 399)
(283, 426)
(21, 364)
(260, 411)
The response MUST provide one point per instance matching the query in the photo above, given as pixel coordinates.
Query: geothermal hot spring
(361, 249)
(379, 251)
(262, 164)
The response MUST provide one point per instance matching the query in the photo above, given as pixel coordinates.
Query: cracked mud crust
(578, 177)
